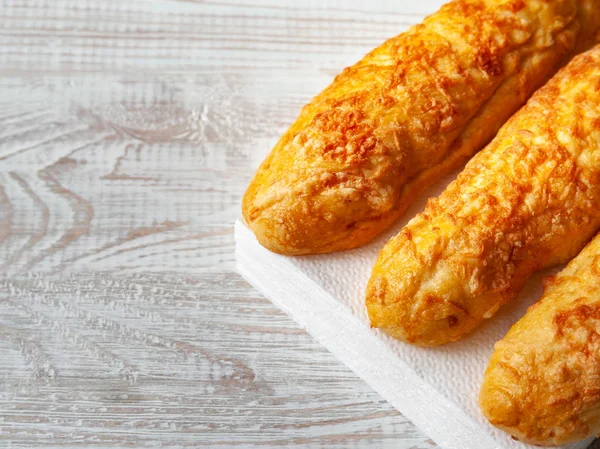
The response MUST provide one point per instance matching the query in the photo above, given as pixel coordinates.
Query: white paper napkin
(436, 388)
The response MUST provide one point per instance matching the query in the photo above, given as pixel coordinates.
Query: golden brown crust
(407, 113)
(542, 384)
(529, 200)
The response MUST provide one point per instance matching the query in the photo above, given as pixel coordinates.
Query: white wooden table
(128, 132)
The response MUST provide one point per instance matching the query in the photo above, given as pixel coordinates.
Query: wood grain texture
(154, 360)
(128, 132)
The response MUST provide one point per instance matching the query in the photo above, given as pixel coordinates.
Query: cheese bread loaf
(542, 384)
(529, 200)
(409, 112)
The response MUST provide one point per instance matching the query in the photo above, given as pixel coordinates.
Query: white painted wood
(175, 360)
(128, 132)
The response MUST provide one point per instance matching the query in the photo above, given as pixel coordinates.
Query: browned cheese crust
(543, 381)
(529, 200)
(406, 114)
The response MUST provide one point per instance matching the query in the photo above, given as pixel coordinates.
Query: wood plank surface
(128, 132)
(172, 360)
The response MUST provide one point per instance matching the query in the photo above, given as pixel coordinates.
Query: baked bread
(409, 112)
(529, 200)
(543, 381)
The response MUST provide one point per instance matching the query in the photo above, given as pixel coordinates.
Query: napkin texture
(436, 388)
